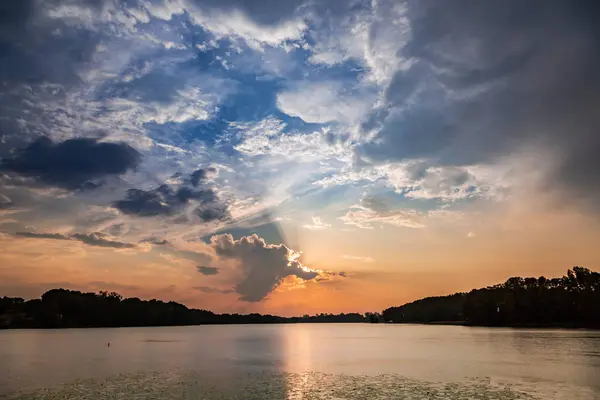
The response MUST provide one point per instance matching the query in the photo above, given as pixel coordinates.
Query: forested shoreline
(572, 301)
(62, 308)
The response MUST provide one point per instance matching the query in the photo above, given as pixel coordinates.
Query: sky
(296, 156)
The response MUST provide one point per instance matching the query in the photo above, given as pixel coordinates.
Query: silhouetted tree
(570, 301)
(61, 308)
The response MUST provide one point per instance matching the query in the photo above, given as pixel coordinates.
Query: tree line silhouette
(570, 301)
(61, 308)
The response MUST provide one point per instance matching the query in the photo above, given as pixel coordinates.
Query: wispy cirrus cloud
(91, 239)
(364, 259)
(370, 211)
(317, 224)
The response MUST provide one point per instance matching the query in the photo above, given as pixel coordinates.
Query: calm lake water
(303, 361)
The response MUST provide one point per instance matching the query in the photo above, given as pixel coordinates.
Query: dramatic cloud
(166, 201)
(91, 239)
(482, 83)
(207, 270)
(262, 266)
(160, 122)
(72, 163)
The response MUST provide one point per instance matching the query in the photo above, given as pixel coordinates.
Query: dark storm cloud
(166, 201)
(91, 239)
(490, 76)
(207, 270)
(73, 163)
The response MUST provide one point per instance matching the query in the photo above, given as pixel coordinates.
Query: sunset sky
(296, 156)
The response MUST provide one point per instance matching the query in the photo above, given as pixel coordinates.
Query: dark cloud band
(73, 163)
(91, 239)
(207, 270)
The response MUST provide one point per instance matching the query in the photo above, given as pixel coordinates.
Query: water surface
(303, 361)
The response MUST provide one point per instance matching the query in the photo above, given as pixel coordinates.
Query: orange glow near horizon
(404, 265)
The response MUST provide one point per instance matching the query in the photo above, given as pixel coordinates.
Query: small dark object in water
(108, 344)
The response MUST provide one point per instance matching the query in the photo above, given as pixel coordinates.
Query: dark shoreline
(440, 323)
(62, 308)
(523, 326)
(569, 302)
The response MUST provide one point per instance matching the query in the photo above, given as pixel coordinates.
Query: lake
(300, 361)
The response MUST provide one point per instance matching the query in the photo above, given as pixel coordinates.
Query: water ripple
(289, 386)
